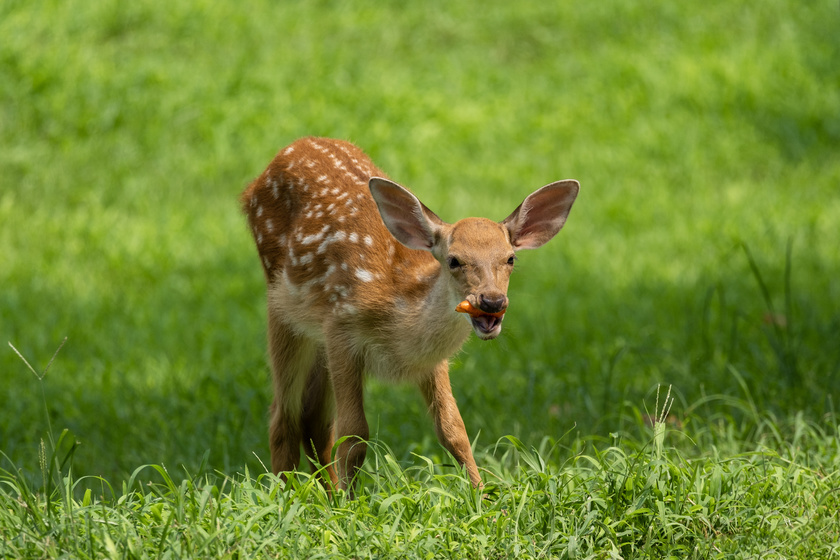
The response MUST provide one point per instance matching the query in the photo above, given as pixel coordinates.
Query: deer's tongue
(486, 323)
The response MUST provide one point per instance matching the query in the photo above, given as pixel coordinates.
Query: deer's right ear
(408, 220)
(541, 214)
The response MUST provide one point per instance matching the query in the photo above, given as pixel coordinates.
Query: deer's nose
(492, 303)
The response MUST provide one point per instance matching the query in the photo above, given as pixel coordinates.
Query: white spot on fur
(315, 237)
(364, 275)
(311, 283)
(335, 237)
(288, 150)
(368, 240)
(269, 225)
(354, 237)
(322, 248)
(273, 185)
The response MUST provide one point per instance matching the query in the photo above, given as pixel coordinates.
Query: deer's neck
(427, 329)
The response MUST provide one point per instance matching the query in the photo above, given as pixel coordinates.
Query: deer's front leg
(346, 373)
(448, 423)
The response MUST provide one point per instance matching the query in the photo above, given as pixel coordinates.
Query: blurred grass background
(703, 136)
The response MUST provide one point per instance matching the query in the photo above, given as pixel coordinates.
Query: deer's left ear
(541, 215)
(408, 220)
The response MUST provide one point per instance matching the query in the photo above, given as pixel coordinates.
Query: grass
(701, 255)
(640, 497)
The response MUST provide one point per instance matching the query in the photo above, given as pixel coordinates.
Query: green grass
(702, 254)
(639, 497)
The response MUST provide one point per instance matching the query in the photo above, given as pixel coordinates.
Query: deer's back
(324, 248)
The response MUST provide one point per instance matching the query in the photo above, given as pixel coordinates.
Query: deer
(363, 279)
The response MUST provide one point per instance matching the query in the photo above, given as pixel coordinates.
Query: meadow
(666, 382)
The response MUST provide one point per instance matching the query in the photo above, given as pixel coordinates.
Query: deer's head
(476, 255)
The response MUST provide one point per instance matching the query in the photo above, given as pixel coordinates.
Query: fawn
(363, 278)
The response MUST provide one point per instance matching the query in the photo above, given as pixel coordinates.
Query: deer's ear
(408, 220)
(541, 215)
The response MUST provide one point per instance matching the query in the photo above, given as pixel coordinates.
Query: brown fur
(346, 297)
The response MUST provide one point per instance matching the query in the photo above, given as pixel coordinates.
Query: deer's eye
(454, 263)
(511, 260)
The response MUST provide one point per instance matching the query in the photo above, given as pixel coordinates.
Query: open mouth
(486, 326)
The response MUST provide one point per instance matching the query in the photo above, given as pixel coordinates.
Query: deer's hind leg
(346, 374)
(292, 356)
(318, 417)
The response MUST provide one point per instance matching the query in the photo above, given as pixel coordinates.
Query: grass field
(703, 255)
